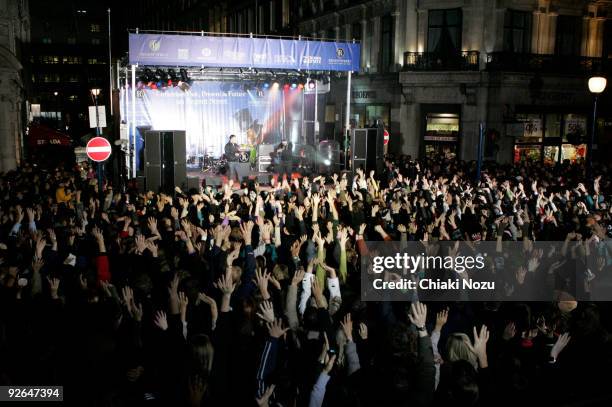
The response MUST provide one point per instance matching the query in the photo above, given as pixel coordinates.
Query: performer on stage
(232, 154)
(283, 161)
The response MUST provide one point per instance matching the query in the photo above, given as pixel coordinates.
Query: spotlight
(311, 84)
(286, 87)
(300, 86)
(293, 85)
(326, 162)
(171, 76)
(183, 74)
(266, 85)
(147, 75)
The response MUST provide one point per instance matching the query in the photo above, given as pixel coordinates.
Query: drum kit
(208, 162)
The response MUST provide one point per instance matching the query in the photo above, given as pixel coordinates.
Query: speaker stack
(367, 148)
(165, 160)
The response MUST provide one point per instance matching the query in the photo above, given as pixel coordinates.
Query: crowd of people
(250, 295)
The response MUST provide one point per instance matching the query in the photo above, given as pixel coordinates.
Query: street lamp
(597, 84)
(95, 92)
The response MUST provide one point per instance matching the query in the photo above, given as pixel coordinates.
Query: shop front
(442, 129)
(550, 136)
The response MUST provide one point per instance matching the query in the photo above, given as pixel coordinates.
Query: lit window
(94, 28)
(46, 40)
(95, 41)
(71, 60)
(71, 40)
(49, 59)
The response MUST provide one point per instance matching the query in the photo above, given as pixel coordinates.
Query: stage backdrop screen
(212, 110)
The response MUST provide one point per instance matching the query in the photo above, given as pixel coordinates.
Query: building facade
(67, 57)
(14, 32)
(433, 70)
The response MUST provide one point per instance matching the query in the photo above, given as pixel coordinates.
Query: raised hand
(182, 302)
(264, 400)
(40, 246)
(141, 244)
(441, 318)
(275, 328)
(226, 284)
(266, 311)
(152, 225)
(561, 343)
(37, 264)
(152, 247)
(97, 234)
(418, 315)
(298, 277)
(233, 255)
(160, 320)
(30, 213)
(247, 231)
(363, 331)
(317, 293)
(347, 327)
(509, 331)
(53, 287)
(261, 279)
(480, 345)
(330, 364)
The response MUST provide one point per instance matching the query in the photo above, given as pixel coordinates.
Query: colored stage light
(293, 85)
(286, 87)
(300, 86)
(266, 85)
(311, 84)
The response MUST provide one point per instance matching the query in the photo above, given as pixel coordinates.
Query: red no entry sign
(385, 137)
(98, 149)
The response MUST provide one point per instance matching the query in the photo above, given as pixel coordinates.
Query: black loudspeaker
(165, 160)
(367, 146)
(359, 148)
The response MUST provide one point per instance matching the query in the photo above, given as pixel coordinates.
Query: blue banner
(243, 52)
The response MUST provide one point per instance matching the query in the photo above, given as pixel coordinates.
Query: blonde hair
(280, 272)
(202, 353)
(459, 347)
